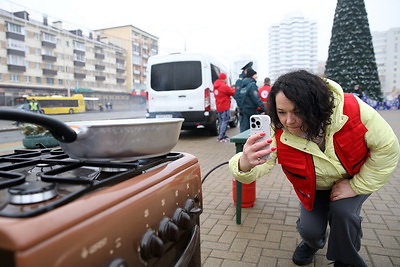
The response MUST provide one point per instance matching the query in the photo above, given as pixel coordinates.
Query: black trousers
(344, 220)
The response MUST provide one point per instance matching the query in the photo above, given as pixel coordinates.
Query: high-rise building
(43, 58)
(292, 45)
(387, 55)
(139, 46)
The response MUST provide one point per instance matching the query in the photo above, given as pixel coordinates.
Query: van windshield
(180, 75)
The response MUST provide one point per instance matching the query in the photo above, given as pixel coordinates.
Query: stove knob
(190, 207)
(168, 231)
(182, 219)
(151, 246)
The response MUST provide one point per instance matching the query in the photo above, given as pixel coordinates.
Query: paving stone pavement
(267, 235)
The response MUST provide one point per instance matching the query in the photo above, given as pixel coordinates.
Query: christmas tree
(351, 57)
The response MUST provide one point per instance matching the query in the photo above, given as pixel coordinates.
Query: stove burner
(47, 179)
(34, 173)
(111, 169)
(32, 192)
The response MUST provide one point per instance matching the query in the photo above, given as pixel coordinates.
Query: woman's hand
(253, 152)
(342, 189)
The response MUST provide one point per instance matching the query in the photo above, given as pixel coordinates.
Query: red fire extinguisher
(248, 194)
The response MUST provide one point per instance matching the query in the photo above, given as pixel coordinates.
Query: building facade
(387, 55)
(292, 45)
(139, 46)
(39, 58)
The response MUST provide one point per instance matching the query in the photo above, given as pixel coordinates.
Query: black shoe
(304, 254)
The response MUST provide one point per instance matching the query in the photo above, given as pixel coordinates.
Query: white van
(181, 86)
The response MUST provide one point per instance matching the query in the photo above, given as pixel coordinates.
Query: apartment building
(387, 54)
(292, 45)
(139, 46)
(42, 58)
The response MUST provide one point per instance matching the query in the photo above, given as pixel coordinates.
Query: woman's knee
(314, 236)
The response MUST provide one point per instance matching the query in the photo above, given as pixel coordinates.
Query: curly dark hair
(311, 97)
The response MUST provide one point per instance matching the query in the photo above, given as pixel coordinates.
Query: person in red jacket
(264, 91)
(223, 93)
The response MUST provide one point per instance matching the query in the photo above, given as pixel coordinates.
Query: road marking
(9, 147)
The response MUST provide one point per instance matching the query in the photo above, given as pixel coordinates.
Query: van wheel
(235, 121)
(213, 128)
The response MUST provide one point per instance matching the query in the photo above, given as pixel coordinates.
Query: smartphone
(261, 124)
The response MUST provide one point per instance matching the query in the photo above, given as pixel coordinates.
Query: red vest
(349, 146)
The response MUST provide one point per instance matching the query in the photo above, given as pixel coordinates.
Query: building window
(60, 81)
(38, 79)
(49, 80)
(79, 57)
(16, 60)
(47, 52)
(79, 46)
(16, 44)
(49, 37)
(15, 28)
(14, 77)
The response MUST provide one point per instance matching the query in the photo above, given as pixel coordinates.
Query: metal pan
(125, 139)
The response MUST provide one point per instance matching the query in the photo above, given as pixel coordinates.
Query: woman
(334, 149)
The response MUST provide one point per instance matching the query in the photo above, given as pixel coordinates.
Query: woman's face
(288, 115)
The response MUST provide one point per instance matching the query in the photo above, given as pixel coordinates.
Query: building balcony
(49, 72)
(120, 70)
(15, 36)
(99, 56)
(48, 44)
(49, 58)
(100, 78)
(100, 67)
(79, 63)
(79, 75)
(16, 68)
(15, 52)
(120, 80)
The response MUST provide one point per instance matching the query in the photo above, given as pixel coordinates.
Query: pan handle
(58, 129)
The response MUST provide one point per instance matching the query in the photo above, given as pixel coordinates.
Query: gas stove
(58, 211)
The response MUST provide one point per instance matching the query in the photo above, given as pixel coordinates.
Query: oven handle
(190, 249)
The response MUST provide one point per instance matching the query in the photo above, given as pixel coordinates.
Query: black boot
(304, 254)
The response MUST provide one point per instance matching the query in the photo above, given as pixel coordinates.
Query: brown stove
(57, 211)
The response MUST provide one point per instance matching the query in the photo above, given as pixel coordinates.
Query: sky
(229, 30)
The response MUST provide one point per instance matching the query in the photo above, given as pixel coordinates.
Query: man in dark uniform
(238, 86)
(250, 102)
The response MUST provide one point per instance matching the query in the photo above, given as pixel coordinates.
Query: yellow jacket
(376, 171)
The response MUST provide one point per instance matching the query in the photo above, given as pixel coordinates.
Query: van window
(179, 75)
(215, 71)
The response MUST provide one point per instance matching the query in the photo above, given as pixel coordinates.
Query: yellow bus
(60, 104)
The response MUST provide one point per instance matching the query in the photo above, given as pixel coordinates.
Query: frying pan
(124, 139)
